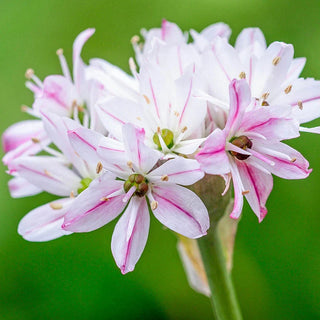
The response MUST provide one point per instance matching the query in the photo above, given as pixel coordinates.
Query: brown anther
(138, 178)
(242, 142)
(59, 52)
(264, 103)
(80, 108)
(158, 130)
(288, 89)
(300, 105)
(245, 192)
(35, 140)
(276, 61)
(24, 108)
(74, 103)
(99, 167)
(154, 205)
(129, 164)
(293, 160)
(184, 129)
(265, 95)
(138, 118)
(242, 75)
(72, 195)
(56, 206)
(176, 113)
(146, 98)
(135, 39)
(165, 177)
(77, 154)
(29, 73)
(104, 199)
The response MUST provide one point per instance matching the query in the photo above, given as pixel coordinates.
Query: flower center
(167, 137)
(242, 142)
(139, 182)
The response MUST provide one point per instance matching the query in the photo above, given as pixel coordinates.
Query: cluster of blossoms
(110, 144)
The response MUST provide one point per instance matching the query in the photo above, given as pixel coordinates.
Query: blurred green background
(277, 262)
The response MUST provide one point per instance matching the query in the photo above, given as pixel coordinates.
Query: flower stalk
(223, 297)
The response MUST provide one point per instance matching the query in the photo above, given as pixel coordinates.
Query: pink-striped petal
(44, 223)
(237, 189)
(181, 210)
(178, 170)
(20, 188)
(248, 37)
(130, 235)
(213, 158)
(96, 206)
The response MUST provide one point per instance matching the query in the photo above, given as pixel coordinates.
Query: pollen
(165, 177)
(300, 105)
(99, 167)
(56, 206)
(29, 73)
(154, 205)
(276, 61)
(24, 108)
(265, 103)
(288, 89)
(242, 75)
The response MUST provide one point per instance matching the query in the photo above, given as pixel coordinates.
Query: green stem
(223, 298)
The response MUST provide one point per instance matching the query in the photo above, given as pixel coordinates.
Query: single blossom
(248, 149)
(135, 182)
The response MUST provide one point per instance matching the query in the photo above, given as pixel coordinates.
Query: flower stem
(223, 298)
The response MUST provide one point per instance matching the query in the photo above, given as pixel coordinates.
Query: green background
(277, 262)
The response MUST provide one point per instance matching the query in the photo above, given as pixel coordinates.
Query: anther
(35, 140)
(72, 195)
(135, 39)
(288, 89)
(293, 160)
(242, 75)
(176, 113)
(265, 95)
(276, 61)
(46, 172)
(165, 177)
(24, 108)
(129, 164)
(146, 98)
(59, 52)
(184, 129)
(56, 206)
(99, 167)
(245, 192)
(300, 105)
(29, 74)
(104, 199)
(265, 103)
(154, 205)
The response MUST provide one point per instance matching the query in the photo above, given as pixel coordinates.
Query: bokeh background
(277, 262)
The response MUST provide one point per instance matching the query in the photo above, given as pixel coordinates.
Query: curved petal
(238, 189)
(20, 188)
(258, 185)
(248, 37)
(181, 210)
(130, 235)
(44, 223)
(213, 158)
(95, 206)
(178, 170)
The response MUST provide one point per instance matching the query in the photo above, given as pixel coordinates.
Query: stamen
(56, 206)
(99, 167)
(176, 113)
(130, 164)
(242, 75)
(154, 205)
(293, 160)
(262, 157)
(35, 140)
(72, 194)
(288, 89)
(245, 192)
(184, 129)
(29, 73)
(276, 61)
(165, 177)
(300, 105)
(265, 95)
(135, 39)
(146, 98)
(31, 76)
(29, 111)
(104, 199)
(133, 68)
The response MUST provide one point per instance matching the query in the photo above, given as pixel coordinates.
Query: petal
(130, 235)
(181, 210)
(78, 65)
(188, 146)
(92, 209)
(141, 156)
(49, 174)
(20, 133)
(237, 189)
(213, 158)
(259, 184)
(295, 69)
(179, 170)
(44, 223)
(292, 165)
(20, 188)
(248, 37)
(240, 98)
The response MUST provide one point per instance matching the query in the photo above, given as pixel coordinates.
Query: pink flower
(136, 182)
(248, 150)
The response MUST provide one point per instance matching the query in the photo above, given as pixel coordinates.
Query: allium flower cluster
(115, 145)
